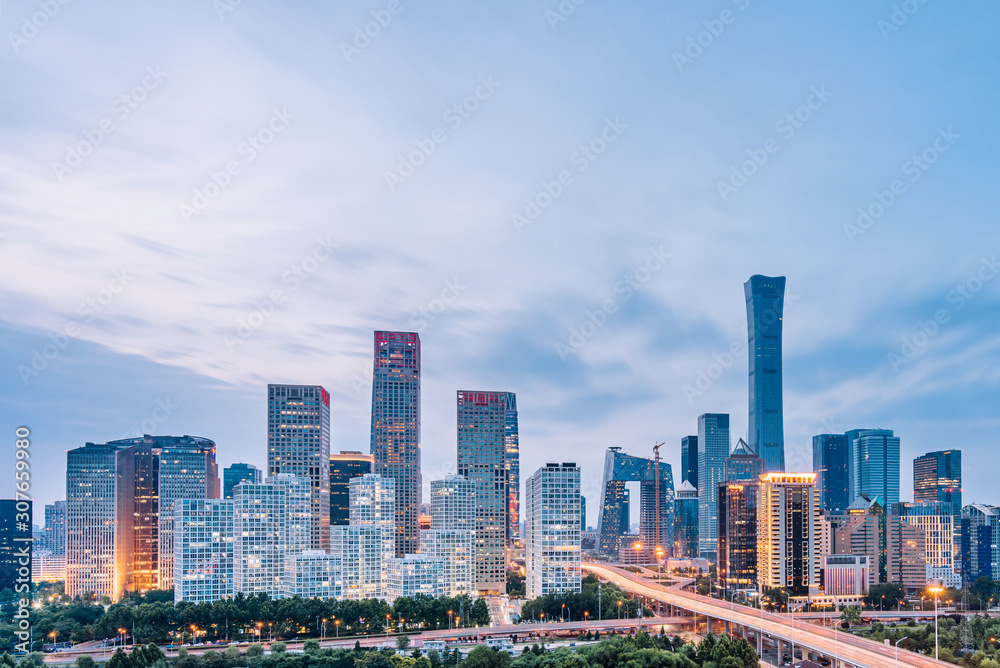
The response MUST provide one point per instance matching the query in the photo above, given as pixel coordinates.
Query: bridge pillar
(760, 643)
(781, 648)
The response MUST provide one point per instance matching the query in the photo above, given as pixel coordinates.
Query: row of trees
(154, 618)
(594, 601)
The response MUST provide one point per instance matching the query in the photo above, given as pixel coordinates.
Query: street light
(897, 650)
(449, 619)
(562, 613)
(388, 618)
(935, 590)
(619, 610)
(336, 623)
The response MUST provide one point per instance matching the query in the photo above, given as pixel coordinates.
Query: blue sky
(209, 200)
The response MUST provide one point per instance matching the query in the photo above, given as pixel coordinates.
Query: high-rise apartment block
(298, 511)
(452, 536)
(413, 575)
(237, 473)
(743, 464)
(482, 431)
(343, 467)
(874, 459)
(396, 428)
(689, 460)
(937, 523)
(298, 442)
(906, 555)
(361, 550)
(737, 551)
(552, 530)
(55, 528)
(831, 466)
(789, 533)
(713, 448)
(373, 503)
(313, 574)
(980, 542)
(261, 526)
(765, 297)
(686, 522)
(204, 550)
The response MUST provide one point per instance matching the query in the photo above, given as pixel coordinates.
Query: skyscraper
(513, 465)
(689, 460)
(187, 471)
(552, 530)
(452, 536)
(138, 526)
(15, 547)
(980, 542)
(298, 442)
(482, 420)
(396, 428)
(55, 528)
(743, 464)
(373, 503)
(737, 551)
(713, 448)
(237, 473)
(830, 464)
(937, 523)
(260, 524)
(343, 467)
(765, 296)
(937, 477)
(789, 535)
(91, 515)
(875, 459)
(686, 522)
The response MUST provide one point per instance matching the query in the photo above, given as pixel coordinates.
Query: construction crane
(658, 549)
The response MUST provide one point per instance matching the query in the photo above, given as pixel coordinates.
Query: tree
(119, 660)
(403, 642)
(484, 656)
(885, 595)
(515, 584)
(254, 650)
(311, 646)
(851, 615)
(278, 647)
(34, 660)
(85, 662)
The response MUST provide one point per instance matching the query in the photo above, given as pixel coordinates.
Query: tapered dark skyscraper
(396, 427)
(765, 297)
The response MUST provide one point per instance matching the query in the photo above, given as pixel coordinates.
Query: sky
(563, 198)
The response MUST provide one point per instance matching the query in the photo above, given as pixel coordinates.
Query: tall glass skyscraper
(765, 296)
(344, 467)
(396, 428)
(874, 455)
(830, 464)
(713, 448)
(689, 460)
(513, 464)
(482, 430)
(686, 522)
(937, 477)
(298, 442)
(744, 464)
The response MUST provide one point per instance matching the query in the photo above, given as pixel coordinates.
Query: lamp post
(619, 610)
(449, 619)
(336, 623)
(388, 618)
(897, 650)
(562, 613)
(322, 635)
(935, 590)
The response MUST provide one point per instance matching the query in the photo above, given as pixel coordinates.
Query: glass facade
(937, 478)
(237, 473)
(765, 296)
(343, 468)
(552, 530)
(686, 522)
(204, 544)
(737, 551)
(396, 428)
(875, 459)
(744, 464)
(830, 464)
(513, 465)
(15, 547)
(298, 442)
(689, 460)
(482, 458)
(713, 448)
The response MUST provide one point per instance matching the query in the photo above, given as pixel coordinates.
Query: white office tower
(452, 536)
(361, 550)
(298, 490)
(203, 551)
(261, 517)
(313, 574)
(373, 503)
(415, 574)
(552, 530)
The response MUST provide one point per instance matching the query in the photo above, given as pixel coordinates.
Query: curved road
(848, 648)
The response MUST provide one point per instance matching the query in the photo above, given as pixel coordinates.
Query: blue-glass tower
(831, 464)
(765, 297)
